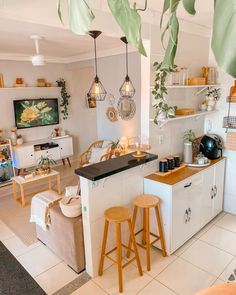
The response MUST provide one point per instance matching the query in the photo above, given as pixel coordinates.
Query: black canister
(163, 165)
(171, 163)
(177, 161)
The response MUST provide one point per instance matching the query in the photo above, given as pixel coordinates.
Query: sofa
(65, 238)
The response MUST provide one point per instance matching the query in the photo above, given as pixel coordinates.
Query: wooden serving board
(182, 165)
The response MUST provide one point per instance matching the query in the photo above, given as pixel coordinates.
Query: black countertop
(107, 168)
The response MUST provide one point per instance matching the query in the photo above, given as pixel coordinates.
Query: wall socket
(161, 139)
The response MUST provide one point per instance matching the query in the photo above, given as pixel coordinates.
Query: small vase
(13, 138)
(161, 116)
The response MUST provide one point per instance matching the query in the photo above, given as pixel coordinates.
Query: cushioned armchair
(105, 150)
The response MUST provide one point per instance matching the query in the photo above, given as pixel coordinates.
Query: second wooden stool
(118, 215)
(146, 202)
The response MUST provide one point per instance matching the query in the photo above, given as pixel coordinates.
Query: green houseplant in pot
(44, 165)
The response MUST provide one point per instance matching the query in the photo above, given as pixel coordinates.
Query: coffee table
(21, 182)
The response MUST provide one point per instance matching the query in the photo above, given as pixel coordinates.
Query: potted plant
(163, 110)
(44, 164)
(212, 96)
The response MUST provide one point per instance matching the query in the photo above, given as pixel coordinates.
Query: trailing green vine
(64, 103)
(160, 91)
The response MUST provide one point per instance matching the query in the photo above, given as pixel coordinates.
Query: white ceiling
(20, 19)
(15, 38)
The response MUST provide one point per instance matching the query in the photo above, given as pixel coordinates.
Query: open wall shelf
(28, 87)
(195, 115)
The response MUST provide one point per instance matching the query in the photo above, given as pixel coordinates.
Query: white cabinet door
(194, 193)
(53, 153)
(179, 217)
(207, 195)
(218, 187)
(186, 210)
(66, 147)
(24, 156)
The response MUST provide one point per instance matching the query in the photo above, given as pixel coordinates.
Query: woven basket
(231, 141)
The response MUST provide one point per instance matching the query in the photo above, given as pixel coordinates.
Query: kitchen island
(114, 182)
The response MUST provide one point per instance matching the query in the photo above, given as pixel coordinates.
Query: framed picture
(91, 102)
(1, 81)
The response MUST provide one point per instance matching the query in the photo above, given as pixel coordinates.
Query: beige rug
(17, 218)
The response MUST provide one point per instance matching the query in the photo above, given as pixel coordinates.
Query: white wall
(81, 123)
(111, 71)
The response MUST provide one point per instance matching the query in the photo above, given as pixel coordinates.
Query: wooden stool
(224, 289)
(118, 215)
(146, 202)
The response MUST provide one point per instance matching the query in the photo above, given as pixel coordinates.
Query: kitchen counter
(180, 175)
(110, 167)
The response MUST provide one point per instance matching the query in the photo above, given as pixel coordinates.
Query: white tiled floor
(209, 258)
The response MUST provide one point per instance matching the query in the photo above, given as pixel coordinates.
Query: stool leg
(119, 256)
(133, 222)
(135, 247)
(104, 242)
(147, 238)
(144, 228)
(159, 224)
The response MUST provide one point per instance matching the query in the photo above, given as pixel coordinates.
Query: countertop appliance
(211, 146)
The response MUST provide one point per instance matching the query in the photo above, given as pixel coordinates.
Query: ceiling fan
(37, 59)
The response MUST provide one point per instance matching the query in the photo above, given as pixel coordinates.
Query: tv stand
(28, 154)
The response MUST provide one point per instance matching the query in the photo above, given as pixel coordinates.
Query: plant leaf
(59, 10)
(80, 16)
(129, 21)
(168, 61)
(189, 6)
(223, 37)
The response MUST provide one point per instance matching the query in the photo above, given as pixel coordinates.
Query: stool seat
(117, 214)
(224, 289)
(146, 201)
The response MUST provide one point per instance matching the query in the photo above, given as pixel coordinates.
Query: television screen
(36, 112)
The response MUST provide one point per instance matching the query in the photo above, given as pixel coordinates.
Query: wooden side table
(21, 183)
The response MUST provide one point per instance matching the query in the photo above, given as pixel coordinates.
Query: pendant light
(96, 91)
(127, 88)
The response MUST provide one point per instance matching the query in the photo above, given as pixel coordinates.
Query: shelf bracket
(201, 90)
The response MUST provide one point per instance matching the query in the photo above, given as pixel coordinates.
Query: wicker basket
(41, 171)
(231, 141)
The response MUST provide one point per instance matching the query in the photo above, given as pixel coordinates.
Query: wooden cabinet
(190, 204)
(26, 156)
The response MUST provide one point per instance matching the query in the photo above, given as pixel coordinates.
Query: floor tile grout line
(166, 286)
(49, 269)
(226, 268)
(200, 267)
(233, 232)
(218, 248)
(97, 286)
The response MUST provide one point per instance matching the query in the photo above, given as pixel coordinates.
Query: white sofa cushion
(97, 153)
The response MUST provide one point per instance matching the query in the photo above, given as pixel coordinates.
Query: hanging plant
(162, 109)
(64, 98)
(129, 20)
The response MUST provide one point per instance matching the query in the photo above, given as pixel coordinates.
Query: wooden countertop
(180, 175)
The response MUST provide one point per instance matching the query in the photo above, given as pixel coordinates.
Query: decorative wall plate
(126, 108)
(112, 114)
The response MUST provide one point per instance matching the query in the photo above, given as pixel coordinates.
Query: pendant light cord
(127, 62)
(95, 53)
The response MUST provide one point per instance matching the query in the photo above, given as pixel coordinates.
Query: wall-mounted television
(36, 112)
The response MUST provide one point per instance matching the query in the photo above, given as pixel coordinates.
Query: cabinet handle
(215, 190)
(188, 185)
(31, 155)
(189, 214)
(212, 193)
(186, 216)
